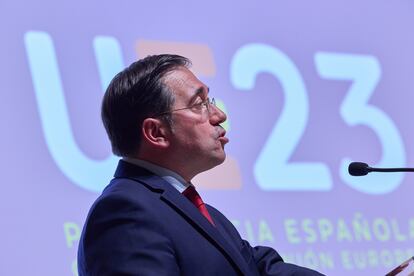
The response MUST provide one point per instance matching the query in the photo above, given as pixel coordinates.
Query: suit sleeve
(123, 237)
(266, 259)
(269, 262)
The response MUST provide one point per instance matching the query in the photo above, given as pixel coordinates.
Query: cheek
(188, 137)
(193, 133)
(199, 138)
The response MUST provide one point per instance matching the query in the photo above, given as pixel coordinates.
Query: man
(149, 220)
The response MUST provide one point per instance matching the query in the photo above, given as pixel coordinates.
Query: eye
(205, 103)
(200, 104)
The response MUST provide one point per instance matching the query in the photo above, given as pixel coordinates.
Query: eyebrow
(198, 92)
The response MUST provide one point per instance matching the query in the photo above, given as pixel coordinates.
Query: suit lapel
(188, 210)
(185, 208)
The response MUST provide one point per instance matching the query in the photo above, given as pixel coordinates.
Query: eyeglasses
(207, 103)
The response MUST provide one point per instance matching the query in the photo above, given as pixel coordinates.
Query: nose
(217, 116)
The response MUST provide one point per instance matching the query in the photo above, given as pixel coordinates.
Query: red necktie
(195, 198)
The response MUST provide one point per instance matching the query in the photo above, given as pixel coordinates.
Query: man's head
(157, 110)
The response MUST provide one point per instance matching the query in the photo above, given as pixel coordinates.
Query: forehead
(184, 84)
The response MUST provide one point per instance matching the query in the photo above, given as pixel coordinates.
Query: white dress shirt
(171, 177)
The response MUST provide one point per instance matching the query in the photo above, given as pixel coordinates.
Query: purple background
(37, 199)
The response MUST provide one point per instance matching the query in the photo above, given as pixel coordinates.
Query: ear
(155, 132)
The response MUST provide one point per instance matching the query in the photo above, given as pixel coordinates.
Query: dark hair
(134, 94)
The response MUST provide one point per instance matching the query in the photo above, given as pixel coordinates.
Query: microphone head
(358, 169)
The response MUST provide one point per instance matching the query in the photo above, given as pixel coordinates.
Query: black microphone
(360, 169)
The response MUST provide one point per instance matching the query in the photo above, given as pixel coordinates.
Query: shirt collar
(171, 177)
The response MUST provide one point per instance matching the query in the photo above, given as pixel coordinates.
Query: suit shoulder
(124, 193)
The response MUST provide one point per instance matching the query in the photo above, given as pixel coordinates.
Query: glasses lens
(213, 101)
(210, 102)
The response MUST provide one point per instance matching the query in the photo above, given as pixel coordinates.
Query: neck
(170, 164)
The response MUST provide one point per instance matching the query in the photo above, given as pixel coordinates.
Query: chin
(214, 161)
(223, 157)
(220, 159)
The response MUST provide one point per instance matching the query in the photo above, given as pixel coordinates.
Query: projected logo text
(91, 174)
(272, 170)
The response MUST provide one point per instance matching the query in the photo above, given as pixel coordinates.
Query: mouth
(222, 137)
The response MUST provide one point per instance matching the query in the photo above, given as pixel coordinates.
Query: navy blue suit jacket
(141, 225)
